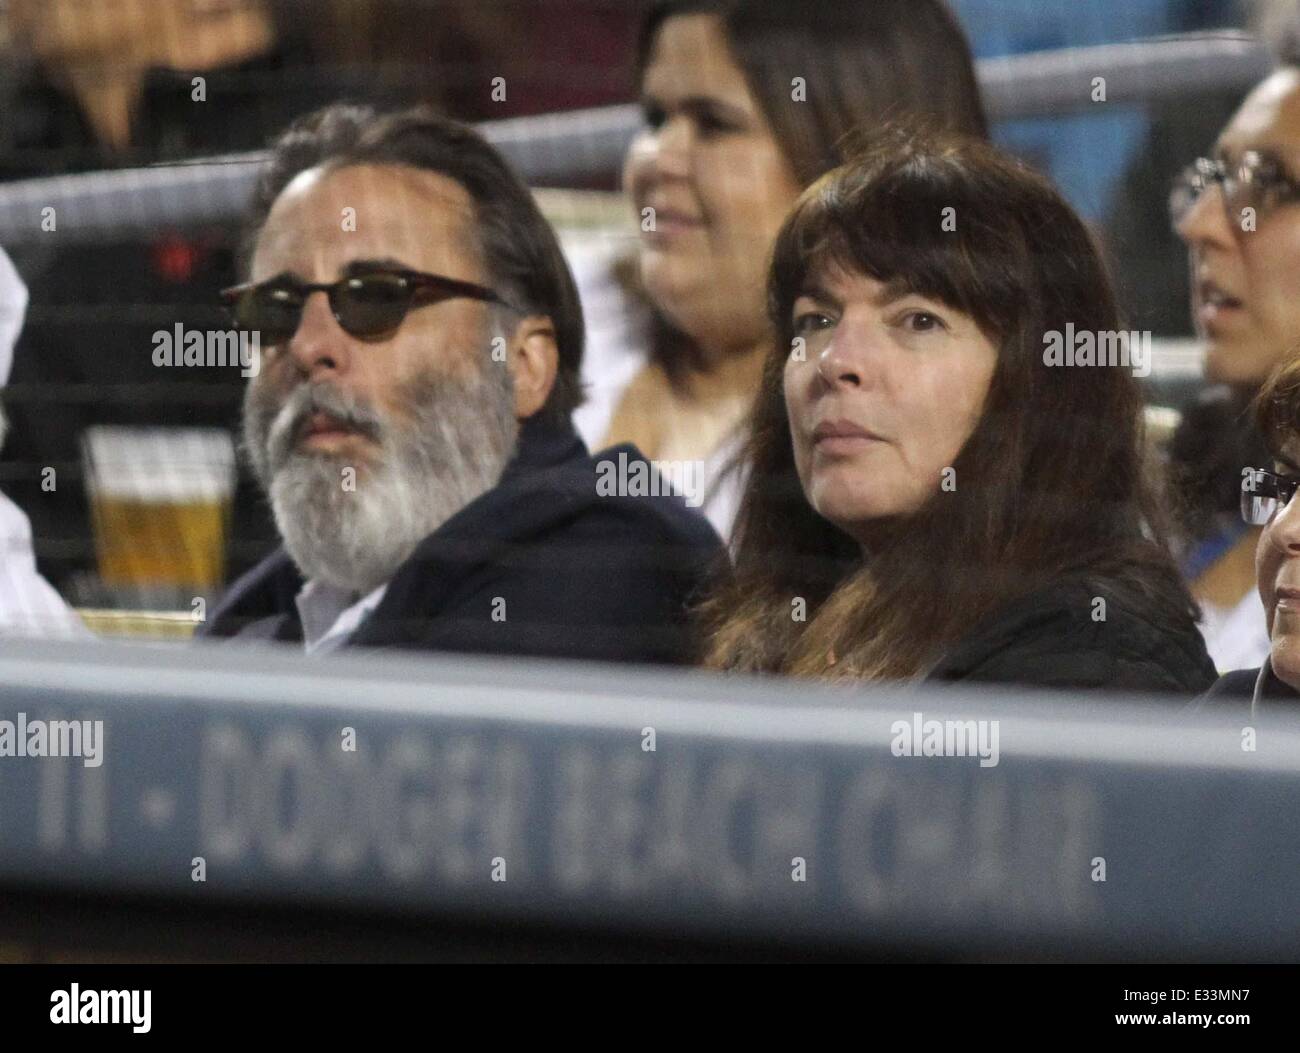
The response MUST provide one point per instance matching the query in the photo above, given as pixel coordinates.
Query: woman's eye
(811, 321)
(653, 116)
(922, 322)
(711, 124)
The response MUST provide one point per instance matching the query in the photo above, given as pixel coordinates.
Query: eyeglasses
(370, 305)
(1263, 493)
(1257, 181)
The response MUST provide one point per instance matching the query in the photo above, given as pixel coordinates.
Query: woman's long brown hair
(1050, 483)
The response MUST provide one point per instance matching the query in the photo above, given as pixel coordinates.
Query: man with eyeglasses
(421, 340)
(1238, 211)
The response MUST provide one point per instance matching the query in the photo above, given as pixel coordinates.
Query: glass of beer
(160, 503)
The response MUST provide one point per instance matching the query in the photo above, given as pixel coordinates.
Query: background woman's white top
(618, 341)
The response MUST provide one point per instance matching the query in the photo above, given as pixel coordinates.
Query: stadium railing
(487, 797)
(555, 149)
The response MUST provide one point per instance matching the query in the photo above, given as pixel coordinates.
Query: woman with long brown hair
(938, 488)
(746, 102)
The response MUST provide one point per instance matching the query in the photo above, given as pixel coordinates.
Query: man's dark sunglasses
(369, 305)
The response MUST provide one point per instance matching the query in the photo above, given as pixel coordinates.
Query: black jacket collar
(1248, 687)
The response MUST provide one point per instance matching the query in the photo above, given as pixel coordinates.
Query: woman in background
(1268, 505)
(111, 83)
(1238, 211)
(932, 496)
(746, 102)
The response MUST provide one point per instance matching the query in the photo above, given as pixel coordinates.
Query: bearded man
(421, 340)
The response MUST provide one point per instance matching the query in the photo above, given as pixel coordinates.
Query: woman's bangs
(902, 234)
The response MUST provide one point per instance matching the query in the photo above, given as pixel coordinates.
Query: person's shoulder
(562, 510)
(1085, 632)
(616, 489)
(1237, 691)
(585, 572)
(634, 496)
(265, 591)
(1230, 688)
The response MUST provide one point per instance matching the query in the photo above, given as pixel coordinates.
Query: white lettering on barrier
(622, 823)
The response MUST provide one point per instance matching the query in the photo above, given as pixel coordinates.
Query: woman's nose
(1284, 530)
(838, 367)
(1206, 220)
(668, 149)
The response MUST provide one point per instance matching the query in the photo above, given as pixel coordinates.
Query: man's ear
(533, 359)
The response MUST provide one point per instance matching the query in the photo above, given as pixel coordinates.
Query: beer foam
(165, 465)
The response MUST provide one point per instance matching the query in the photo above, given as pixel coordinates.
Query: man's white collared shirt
(329, 614)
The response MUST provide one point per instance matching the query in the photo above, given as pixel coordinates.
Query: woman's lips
(1215, 317)
(670, 223)
(1215, 306)
(842, 436)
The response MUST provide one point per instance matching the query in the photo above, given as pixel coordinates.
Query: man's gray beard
(448, 446)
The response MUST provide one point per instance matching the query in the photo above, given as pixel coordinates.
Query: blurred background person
(1267, 504)
(746, 102)
(1237, 211)
(481, 61)
(1150, 278)
(112, 83)
(942, 501)
(29, 606)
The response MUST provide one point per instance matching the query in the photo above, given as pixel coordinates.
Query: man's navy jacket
(580, 575)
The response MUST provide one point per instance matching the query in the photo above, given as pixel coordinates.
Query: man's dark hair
(520, 250)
